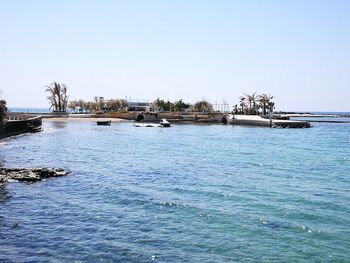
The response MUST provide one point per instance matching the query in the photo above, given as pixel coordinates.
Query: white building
(140, 106)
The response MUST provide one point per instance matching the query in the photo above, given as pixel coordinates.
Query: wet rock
(30, 174)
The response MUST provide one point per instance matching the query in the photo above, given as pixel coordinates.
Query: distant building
(102, 104)
(140, 106)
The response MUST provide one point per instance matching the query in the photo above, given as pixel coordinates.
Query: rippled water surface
(183, 194)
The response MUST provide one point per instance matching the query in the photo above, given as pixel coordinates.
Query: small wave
(170, 204)
(306, 229)
(273, 224)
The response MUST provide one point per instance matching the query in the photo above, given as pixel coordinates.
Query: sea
(30, 110)
(189, 193)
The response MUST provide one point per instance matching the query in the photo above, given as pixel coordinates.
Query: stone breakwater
(30, 174)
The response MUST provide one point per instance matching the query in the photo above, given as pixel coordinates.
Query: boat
(103, 122)
(164, 123)
(146, 125)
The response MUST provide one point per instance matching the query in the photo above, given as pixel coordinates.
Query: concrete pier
(255, 120)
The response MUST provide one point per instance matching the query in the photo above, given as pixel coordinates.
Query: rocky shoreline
(30, 174)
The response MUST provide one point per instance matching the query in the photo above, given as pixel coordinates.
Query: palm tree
(242, 103)
(251, 102)
(265, 101)
(271, 106)
(57, 96)
(254, 103)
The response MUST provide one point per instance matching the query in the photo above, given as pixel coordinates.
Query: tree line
(98, 104)
(180, 106)
(251, 104)
(254, 104)
(58, 99)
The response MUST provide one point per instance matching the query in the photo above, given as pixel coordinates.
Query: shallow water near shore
(187, 193)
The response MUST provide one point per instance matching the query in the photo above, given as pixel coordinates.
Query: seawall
(16, 127)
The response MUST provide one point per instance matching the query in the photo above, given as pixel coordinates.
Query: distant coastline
(292, 113)
(29, 110)
(316, 113)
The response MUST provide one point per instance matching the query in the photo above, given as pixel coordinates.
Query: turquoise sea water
(182, 194)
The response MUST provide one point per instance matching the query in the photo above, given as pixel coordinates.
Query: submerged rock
(30, 174)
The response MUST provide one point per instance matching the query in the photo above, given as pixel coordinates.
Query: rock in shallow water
(30, 174)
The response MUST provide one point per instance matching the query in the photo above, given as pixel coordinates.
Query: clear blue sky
(297, 50)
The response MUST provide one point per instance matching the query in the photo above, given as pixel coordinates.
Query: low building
(140, 106)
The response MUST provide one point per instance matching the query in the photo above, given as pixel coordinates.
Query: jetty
(172, 117)
(257, 120)
(276, 121)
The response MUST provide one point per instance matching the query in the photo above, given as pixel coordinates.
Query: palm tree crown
(57, 96)
(251, 104)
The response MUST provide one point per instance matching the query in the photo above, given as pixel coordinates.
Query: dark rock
(30, 174)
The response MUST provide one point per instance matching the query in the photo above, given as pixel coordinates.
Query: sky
(296, 50)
